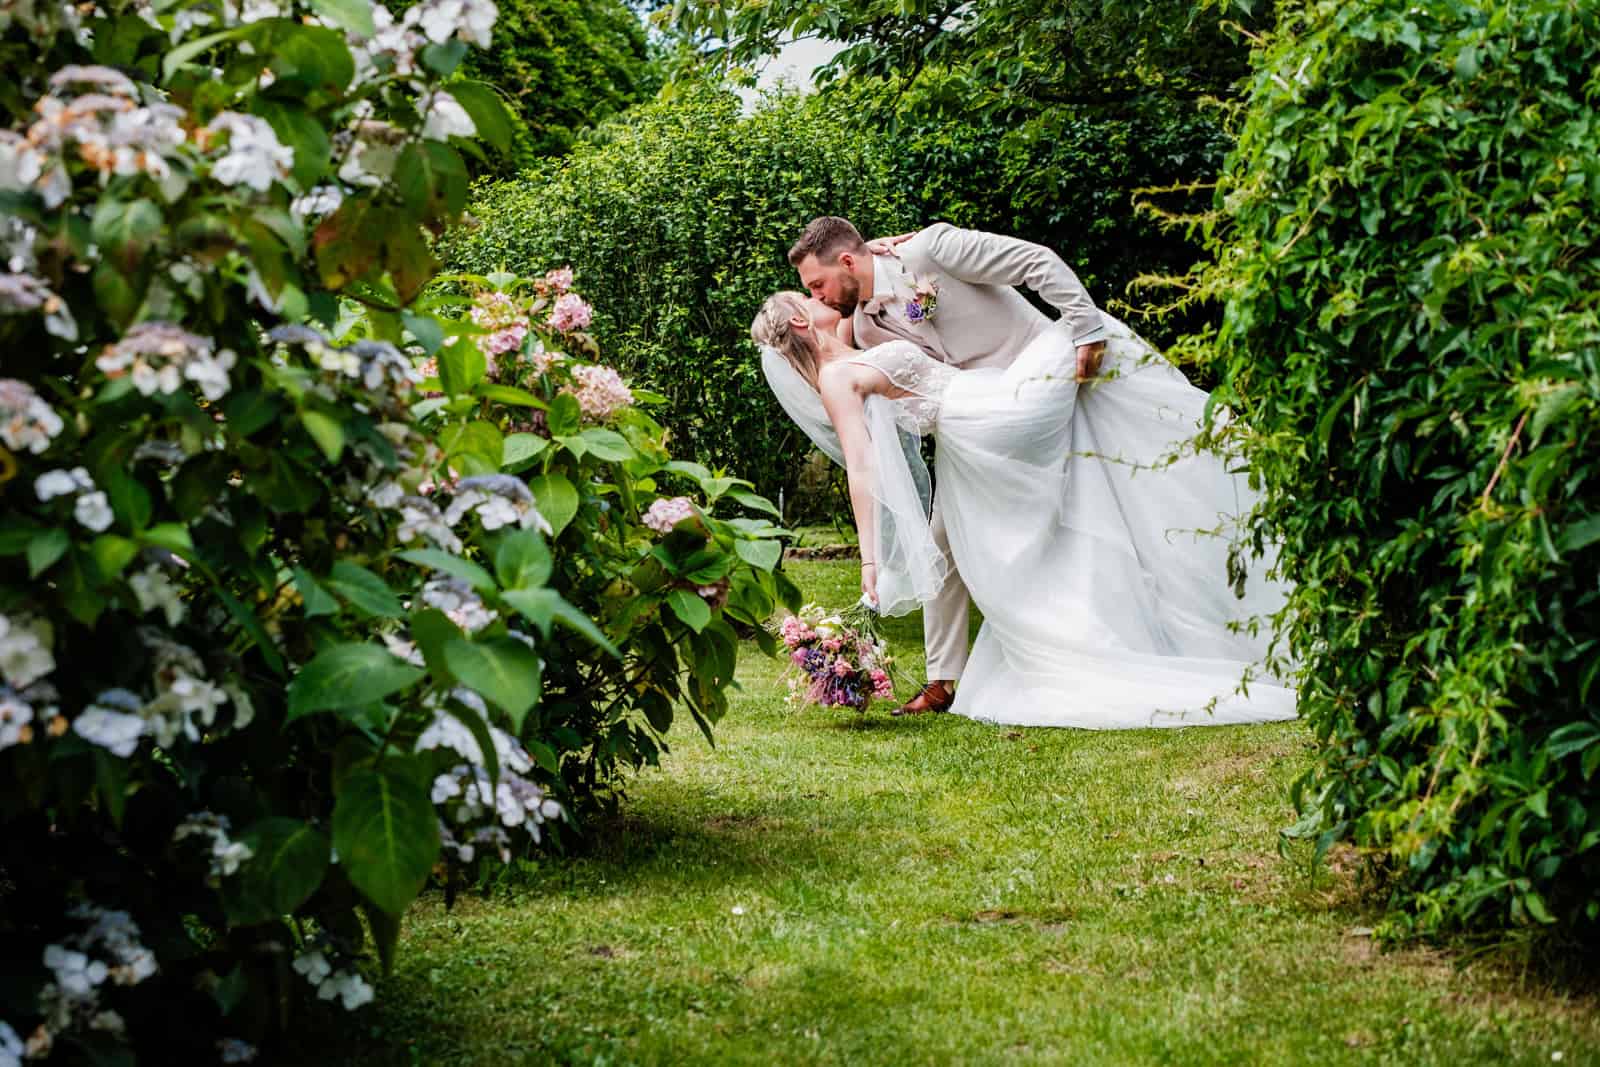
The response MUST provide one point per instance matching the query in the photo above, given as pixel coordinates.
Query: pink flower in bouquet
(882, 688)
(570, 313)
(600, 391)
(832, 644)
(842, 668)
(798, 655)
(665, 514)
(795, 632)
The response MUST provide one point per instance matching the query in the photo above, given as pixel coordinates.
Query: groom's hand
(1089, 357)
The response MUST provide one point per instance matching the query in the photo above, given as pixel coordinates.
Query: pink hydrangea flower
(600, 391)
(502, 341)
(570, 313)
(664, 514)
(559, 279)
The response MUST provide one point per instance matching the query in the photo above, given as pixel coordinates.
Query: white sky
(794, 63)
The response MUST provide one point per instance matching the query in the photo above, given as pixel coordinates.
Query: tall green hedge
(676, 221)
(1412, 266)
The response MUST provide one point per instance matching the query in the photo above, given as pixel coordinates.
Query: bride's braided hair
(773, 329)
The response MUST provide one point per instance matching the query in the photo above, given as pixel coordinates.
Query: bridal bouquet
(839, 660)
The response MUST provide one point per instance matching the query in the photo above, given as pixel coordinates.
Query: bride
(1098, 556)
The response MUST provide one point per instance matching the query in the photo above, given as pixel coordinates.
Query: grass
(823, 888)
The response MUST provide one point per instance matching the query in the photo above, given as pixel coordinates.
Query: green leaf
(489, 113)
(455, 566)
(755, 502)
(1580, 534)
(248, 621)
(443, 59)
(174, 60)
(300, 130)
(523, 560)
(545, 606)
(45, 549)
(348, 676)
(607, 444)
(387, 834)
(461, 366)
(353, 16)
(521, 449)
(479, 443)
(763, 555)
(565, 417)
(317, 600)
(112, 554)
(172, 536)
(432, 629)
(289, 862)
(503, 671)
(426, 329)
(326, 431)
(687, 605)
(363, 590)
(508, 394)
(557, 500)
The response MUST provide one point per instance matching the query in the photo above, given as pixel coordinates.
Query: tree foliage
(677, 220)
(1409, 260)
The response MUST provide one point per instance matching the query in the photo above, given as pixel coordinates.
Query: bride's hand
(885, 246)
(869, 583)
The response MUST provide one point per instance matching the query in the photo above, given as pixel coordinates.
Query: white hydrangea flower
(210, 373)
(471, 20)
(421, 516)
(155, 590)
(315, 967)
(244, 709)
(459, 601)
(254, 158)
(386, 494)
(75, 972)
(25, 655)
(52, 484)
(351, 989)
(320, 201)
(16, 718)
(10, 1046)
(114, 731)
(93, 510)
(233, 1050)
(27, 423)
(446, 118)
(225, 854)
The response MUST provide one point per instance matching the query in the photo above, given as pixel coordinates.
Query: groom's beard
(850, 296)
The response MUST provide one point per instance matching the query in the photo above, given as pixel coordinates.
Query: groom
(951, 292)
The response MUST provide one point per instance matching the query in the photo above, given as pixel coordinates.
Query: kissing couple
(1070, 504)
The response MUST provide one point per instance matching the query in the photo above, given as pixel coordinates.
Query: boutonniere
(925, 300)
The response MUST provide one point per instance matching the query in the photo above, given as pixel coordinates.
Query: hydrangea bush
(281, 634)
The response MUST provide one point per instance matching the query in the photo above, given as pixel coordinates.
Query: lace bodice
(918, 378)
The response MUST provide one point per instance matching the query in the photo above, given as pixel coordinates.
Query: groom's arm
(992, 259)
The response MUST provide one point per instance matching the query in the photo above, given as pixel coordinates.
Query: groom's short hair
(826, 237)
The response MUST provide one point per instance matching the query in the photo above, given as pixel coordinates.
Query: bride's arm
(844, 395)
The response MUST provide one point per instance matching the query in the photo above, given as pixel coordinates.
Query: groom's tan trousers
(944, 619)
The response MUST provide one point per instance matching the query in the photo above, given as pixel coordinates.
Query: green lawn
(824, 888)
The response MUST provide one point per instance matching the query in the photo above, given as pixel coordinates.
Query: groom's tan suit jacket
(980, 321)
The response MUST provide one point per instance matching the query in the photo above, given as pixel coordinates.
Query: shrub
(677, 221)
(254, 684)
(1413, 308)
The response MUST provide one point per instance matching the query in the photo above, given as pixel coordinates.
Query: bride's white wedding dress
(1098, 562)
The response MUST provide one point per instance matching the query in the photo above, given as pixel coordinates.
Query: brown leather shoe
(935, 696)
